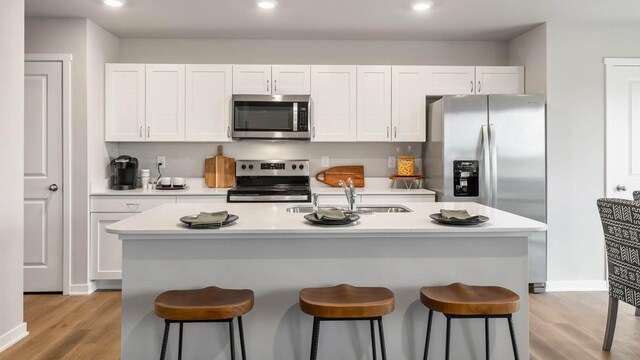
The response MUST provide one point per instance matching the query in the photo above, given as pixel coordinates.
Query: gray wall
(11, 155)
(576, 143)
(530, 50)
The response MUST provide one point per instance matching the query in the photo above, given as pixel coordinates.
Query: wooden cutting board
(333, 175)
(220, 171)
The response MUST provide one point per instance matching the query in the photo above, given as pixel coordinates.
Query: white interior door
(43, 177)
(623, 130)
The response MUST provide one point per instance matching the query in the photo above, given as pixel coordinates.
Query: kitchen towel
(210, 219)
(456, 214)
(330, 214)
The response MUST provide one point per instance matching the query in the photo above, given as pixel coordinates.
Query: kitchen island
(276, 253)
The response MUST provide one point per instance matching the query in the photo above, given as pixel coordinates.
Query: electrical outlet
(162, 162)
(392, 162)
(325, 161)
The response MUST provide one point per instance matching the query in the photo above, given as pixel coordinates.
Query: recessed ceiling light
(422, 5)
(267, 4)
(114, 3)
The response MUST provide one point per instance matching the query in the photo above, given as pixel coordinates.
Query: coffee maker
(124, 172)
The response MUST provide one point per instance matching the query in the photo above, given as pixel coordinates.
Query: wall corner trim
(13, 336)
(577, 285)
(82, 289)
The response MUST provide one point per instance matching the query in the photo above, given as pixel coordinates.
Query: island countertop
(268, 219)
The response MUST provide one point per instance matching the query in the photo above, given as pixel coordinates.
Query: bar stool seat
(347, 303)
(460, 301)
(211, 304)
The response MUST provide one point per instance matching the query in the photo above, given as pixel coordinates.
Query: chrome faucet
(350, 193)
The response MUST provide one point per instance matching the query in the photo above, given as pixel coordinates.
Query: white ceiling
(336, 19)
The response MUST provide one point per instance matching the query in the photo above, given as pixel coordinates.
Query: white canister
(144, 178)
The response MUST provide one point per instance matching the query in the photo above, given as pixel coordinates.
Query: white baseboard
(577, 285)
(82, 289)
(13, 336)
(108, 284)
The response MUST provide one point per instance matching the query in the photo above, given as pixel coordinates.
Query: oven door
(277, 117)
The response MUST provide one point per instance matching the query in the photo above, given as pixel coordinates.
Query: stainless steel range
(271, 181)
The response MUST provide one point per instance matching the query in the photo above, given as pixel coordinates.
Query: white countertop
(272, 219)
(197, 187)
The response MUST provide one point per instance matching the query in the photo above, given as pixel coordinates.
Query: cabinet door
(333, 103)
(291, 79)
(252, 79)
(208, 102)
(124, 102)
(374, 103)
(106, 249)
(451, 80)
(165, 102)
(408, 103)
(203, 199)
(500, 80)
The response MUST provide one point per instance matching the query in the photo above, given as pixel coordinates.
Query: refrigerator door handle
(494, 165)
(486, 156)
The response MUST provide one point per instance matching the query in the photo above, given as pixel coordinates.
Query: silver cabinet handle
(140, 132)
(621, 188)
(275, 85)
(53, 187)
(149, 131)
(267, 85)
(395, 132)
(129, 205)
(314, 132)
(479, 86)
(387, 132)
(228, 131)
(472, 87)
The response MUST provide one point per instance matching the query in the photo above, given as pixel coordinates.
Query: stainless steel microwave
(271, 117)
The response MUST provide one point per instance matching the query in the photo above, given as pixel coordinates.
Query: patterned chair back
(636, 195)
(621, 225)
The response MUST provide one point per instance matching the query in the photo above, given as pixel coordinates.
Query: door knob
(53, 187)
(621, 188)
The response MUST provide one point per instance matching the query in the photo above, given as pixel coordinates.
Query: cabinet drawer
(125, 204)
(394, 199)
(216, 199)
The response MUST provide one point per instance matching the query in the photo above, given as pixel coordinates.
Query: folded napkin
(330, 214)
(210, 219)
(457, 214)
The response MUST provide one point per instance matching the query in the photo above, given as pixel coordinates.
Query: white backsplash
(187, 159)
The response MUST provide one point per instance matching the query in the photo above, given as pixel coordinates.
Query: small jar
(406, 165)
(144, 178)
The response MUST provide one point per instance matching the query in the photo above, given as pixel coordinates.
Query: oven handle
(267, 198)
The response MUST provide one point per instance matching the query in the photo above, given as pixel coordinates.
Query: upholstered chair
(621, 225)
(636, 195)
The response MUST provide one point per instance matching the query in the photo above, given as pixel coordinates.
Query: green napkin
(455, 214)
(210, 219)
(330, 214)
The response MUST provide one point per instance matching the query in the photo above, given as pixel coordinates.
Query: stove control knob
(301, 166)
(250, 166)
(293, 166)
(244, 167)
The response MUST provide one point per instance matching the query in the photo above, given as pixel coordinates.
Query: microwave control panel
(303, 116)
(465, 178)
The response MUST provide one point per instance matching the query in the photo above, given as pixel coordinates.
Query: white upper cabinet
(208, 102)
(374, 103)
(291, 79)
(409, 103)
(165, 102)
(252, 79)
(124, 102)
(333, 103)
(450, 80)
(499, 80)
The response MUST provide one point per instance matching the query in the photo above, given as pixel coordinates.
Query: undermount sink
(371, 209)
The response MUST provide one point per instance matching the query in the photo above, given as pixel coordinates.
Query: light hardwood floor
(563, 326)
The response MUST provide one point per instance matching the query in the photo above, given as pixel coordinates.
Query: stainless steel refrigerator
(491, 150)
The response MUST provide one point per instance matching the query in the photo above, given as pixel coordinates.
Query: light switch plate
(325, 161)
(392, 162)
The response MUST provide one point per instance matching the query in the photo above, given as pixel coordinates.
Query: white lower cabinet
(207, 199)
(106, 249)
(374, 199)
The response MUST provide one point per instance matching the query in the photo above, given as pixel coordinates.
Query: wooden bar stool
(460, 301)
(347, 303)
(211, 304)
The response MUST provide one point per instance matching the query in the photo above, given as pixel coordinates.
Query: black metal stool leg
(426, 342)
(373, 339)
(165, 338)
(180, 343)
(314, 338)
(486, 335)
(447, 346)
(244, 353)
(513, 339)
(232, 342)
(382, 346)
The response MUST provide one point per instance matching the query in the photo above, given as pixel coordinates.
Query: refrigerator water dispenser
(465, 178)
